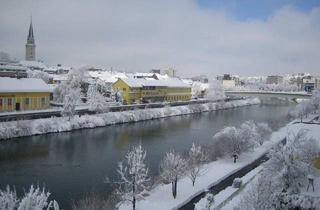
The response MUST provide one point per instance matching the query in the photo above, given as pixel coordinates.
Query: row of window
(175, 98)
(26, 101)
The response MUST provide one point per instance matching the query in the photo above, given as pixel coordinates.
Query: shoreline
(23, 128)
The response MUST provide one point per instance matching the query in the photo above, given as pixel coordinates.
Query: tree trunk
(174, 187)
(133, 192)
(193, 181)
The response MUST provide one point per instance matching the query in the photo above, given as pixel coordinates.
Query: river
(71, 164)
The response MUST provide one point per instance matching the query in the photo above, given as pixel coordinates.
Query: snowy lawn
(313, 131)
(59, 124)
(161, 198)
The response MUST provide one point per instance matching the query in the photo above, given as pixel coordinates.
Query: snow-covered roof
(23, 85)
(12, 67)
(33, 64)
(107, 76)
(59, 77)
(141, 82)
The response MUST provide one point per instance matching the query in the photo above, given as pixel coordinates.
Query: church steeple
(30, 45)
(30, 39)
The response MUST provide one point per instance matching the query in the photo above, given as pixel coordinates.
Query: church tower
(30, 46)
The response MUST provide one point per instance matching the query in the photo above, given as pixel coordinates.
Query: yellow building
(151, 90)
(23, 94)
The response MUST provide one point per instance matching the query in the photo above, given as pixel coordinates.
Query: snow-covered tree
(39, 74)
(34, 199)
(264, 131)
(172, 167)
(283, 176)
(303, 109)
(197, 157)
(199, 89)
(69, 103)
(259, 195)
(315, 100)
(230, 142)
(215, 91)
(133, 173)
(95, 100)
(249, 132)
(76, 80)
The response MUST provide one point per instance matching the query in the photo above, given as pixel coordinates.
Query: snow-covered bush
(133, 172)
(93, 201)
(172, 167)
(205, 203)
(34, 199)
(197, 157)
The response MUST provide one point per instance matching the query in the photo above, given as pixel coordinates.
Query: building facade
(23, 94)
(144, 91)
(30, 45)
(275, 79)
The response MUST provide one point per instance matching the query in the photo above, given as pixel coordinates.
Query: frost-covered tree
(230, 142)
(95, 100)
(172, 167)
(304, 109)
(133, 172)
(8, 199)
(283, 176)
(249, 132)
(259, 195)
(39, 74)
(76, 80)
(37, 199)
(215, 91)
(195, 162)
(315, 100)
(69, 103)
(34, 199)
(264, 131)
(199, 89)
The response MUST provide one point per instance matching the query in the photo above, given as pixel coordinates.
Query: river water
(71, 164)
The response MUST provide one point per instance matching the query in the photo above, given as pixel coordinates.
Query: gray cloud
(144, 34)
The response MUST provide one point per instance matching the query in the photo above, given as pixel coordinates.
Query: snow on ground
(59, 124)
(313, 131)
(221, 197)
(161, 198)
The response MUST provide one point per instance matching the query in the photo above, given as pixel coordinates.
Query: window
(9, 101)
(26, 101)
(124, 89)
(43, 101)
(1, 102)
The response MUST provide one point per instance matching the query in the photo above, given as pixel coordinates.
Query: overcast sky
(242, 37)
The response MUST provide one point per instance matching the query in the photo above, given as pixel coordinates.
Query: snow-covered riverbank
(160, 197)
(60, 124)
